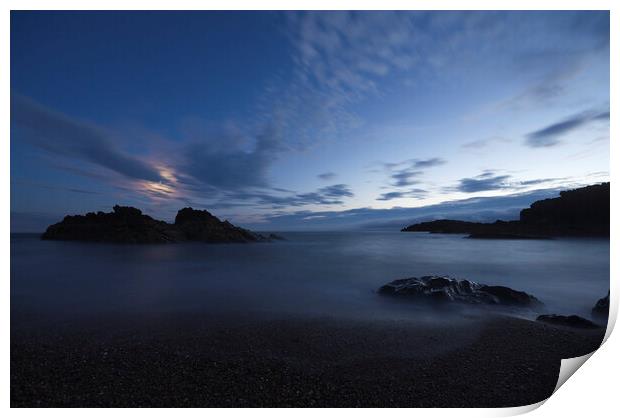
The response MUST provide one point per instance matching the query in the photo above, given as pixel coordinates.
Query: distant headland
(582, 212)
(129, 225)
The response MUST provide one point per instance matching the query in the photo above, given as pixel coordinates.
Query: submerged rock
(601, 309)
(447, 289)
(573, 321)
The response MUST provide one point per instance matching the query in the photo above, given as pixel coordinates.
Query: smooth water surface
(327, 273)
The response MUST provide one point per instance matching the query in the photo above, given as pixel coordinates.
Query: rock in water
(573, 321)
(601, 309)
(446, 289)
(200, 225)
(124, 225)
(129, 225)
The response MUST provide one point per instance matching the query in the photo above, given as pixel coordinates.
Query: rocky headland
(129, 225)
(582, 212)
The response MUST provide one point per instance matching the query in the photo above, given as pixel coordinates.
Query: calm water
(331, 274)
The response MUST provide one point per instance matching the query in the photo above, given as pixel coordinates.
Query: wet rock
(572, 321)
(447, 289)
(601, 309)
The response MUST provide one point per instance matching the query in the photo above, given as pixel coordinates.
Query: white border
(592, 392)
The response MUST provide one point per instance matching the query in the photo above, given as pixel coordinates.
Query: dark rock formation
(446, 289)
(124, 225)
(200, 225)
(601, 309)
(129, 225)
(579, 212)
(583, 211)
(572, 321)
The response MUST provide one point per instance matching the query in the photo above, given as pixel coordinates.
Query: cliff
(581, 212)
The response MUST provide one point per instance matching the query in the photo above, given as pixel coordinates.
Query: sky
(305, 120)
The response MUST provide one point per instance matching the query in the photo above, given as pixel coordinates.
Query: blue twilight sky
(304, 120)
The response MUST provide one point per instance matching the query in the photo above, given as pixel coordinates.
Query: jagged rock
(128, 225)
(123, 225)
(200, 225)
(446, 289)
(601, 309)
(573, 321)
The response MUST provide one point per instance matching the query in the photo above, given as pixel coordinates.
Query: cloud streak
(413, 194)
(407, 173)
(327, 176)
(489, 180)
(549, 136)
(325, 196)
(58, 134)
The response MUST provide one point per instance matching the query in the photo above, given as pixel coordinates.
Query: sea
(315, 274)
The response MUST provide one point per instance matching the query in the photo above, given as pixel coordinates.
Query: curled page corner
(613, 313)
(518, 410)
(568, 367)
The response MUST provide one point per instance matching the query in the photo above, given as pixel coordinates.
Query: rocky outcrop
(579, 212)
(123, 225)
(601, 309)
(129, 225)
(572, 321)
(447, 289)
(200, 225)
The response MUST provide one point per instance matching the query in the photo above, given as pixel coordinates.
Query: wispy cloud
(337, 190)
(413, 193)
(325, 196)
(56, 133)
(407, 173)
(405, 177)
(327, 176)
(483, 182)
(484, 143)
(550, 135)
(490, 180)
(431, 162)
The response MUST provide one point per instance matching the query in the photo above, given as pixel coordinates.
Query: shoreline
(179, 360)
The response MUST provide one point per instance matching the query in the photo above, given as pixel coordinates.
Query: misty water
(331, 274)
